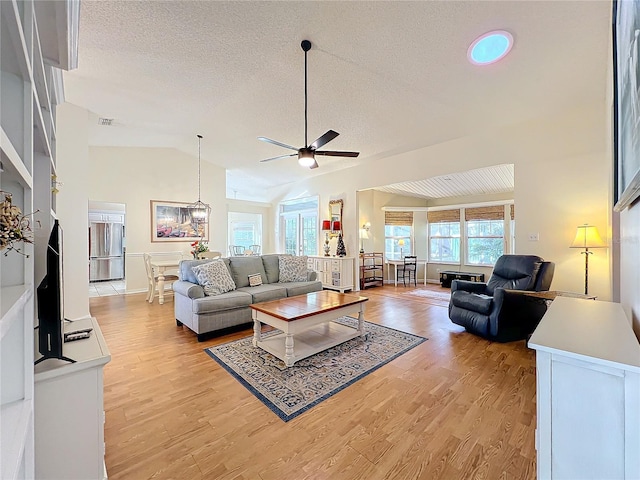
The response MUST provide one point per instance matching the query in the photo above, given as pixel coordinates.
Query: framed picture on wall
(174, 222)
(626, 114)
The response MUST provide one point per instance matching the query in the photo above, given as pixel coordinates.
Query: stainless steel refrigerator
(106, 252)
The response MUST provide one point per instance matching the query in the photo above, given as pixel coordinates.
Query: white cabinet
(335, 273)
(588, 392)
(106, 217)
(69, 411)
(30, 89)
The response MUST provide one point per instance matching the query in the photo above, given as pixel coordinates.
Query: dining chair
(152, 279)
(408, 269)
(255, 249)
(203, 255)
(237, 250)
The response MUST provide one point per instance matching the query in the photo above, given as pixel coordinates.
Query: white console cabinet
(335, 273)
(69, 411)
(588, 392)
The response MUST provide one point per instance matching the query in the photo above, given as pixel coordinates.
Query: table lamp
(326, 228)
(401, 244)
(587, 237)
(364, 234)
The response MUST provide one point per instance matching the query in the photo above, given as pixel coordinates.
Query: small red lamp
(326, 227)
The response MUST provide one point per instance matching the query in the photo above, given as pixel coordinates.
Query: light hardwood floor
(455, 407)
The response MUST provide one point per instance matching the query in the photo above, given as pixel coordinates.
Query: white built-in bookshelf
(37, 39)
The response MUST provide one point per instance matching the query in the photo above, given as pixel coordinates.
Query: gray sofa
(206, 314)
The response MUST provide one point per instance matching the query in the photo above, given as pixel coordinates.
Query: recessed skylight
(490, 47)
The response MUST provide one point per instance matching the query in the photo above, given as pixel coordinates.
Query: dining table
(395, 264)
(161, 266)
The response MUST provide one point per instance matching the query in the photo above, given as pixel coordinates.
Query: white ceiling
(481, 181)
(390, 77)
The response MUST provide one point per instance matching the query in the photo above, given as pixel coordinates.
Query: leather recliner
(496, 310)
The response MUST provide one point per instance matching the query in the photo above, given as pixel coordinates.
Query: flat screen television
(50, 301)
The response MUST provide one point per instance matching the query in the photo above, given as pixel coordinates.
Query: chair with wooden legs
(152, 278)
(408, 269)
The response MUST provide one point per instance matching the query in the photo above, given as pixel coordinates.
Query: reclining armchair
(497, 310)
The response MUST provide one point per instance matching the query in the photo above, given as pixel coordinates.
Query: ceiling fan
(306, 155)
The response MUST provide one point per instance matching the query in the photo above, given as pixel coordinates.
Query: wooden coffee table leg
(257, 332)
(288, 350)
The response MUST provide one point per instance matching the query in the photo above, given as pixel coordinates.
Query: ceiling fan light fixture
(306, 157)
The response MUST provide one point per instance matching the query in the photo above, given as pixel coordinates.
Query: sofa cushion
(472, 301)
(214, 277)
(242, 267)
(271, 267)
(265, 292)
(185, 271)
(301, 288)
(292, 268)
(222, 302)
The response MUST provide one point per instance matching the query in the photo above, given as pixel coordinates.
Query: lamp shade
(587, 236)
(401, 242)
(364, 233)
(335, 226)
(326, 225)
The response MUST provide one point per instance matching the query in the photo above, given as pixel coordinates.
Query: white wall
(72, 152)
(562, 171)
(135, 176)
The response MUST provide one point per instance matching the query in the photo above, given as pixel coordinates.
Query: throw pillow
(214, 277)
(292, 269)
(255, 280)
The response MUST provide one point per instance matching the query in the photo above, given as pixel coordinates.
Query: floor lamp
(587, 237)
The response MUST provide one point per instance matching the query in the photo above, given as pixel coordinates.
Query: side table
(552, 294)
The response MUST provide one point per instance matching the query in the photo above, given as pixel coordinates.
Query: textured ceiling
(390, 77)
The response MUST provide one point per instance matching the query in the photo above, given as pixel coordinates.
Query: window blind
(512, 211)
(398, 218)
(443, 216)
(495, 212)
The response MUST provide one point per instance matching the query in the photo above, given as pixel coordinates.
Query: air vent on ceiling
(106, 122)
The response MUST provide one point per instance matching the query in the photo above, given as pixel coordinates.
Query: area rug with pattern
(432, 296)
(288, 392)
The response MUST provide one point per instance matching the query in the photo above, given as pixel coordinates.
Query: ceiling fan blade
(268, 140)
(278, 157)
(324, 139)
(336, 154)
(315, 164)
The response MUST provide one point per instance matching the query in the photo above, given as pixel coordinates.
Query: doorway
(107, 248)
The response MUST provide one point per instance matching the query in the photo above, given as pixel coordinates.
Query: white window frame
(429, 237)
(468, 243)
(307, 210)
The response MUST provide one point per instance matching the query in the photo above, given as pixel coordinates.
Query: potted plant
(14, 226)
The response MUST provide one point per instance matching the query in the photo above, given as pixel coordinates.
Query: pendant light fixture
(199, 211)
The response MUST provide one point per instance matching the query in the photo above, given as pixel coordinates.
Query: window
(245, 229)
(485, 234)
(444, 242)
(299, 222)
(398, 229)
(444, 236)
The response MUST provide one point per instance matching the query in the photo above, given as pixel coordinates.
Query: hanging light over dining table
(200, 211)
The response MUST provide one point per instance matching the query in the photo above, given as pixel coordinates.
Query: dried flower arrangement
(14, 226)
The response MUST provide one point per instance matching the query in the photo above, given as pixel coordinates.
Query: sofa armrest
(467, 286)
(188, 289)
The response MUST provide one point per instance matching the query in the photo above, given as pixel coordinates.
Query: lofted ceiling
(390, 77)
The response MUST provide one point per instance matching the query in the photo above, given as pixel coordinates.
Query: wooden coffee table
(307, 323)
